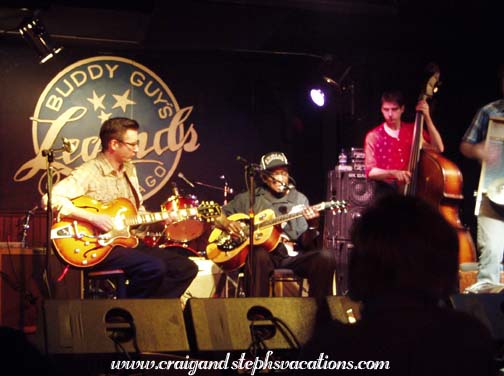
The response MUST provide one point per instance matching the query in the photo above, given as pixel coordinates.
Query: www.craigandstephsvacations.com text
(250, 365)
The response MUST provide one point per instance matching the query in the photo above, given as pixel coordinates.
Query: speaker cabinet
(350, 186)
(488, 308)
(230, 324)
(20, 287)
(107, 326)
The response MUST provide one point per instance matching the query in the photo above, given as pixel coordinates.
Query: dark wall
(247, 104)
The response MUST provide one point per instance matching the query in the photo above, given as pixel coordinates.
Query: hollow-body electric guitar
(230, 251)
(83, 245)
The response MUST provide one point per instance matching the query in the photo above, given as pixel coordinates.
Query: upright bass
(438, 180)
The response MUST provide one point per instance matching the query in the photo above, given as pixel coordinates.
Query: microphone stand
(26, 226)
(251, 172)
(49, 154)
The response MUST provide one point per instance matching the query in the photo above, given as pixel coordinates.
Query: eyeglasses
(130, 144)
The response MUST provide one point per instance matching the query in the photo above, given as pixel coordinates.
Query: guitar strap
(135, 193)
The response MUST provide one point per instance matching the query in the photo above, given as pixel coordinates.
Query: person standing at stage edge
(387, 147)
(152, 272)
(275, 192)
(490, 221)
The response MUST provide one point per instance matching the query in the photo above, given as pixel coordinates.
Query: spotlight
(323, 89)
(318, 97)
(34, 32)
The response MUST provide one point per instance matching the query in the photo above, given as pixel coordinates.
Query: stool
(106, 284)
(280, 276)
(234, 283)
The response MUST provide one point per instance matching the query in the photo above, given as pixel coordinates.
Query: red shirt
(386, 152)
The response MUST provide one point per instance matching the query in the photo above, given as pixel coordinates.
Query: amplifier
(354, 188)
(21, 287)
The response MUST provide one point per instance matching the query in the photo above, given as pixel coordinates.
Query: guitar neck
(147, 218)
(416, 146)
(288, 217)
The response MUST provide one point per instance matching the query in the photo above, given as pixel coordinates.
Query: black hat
(273, 159)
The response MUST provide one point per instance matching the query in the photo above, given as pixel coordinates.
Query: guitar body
(230, 252)
(80, 244)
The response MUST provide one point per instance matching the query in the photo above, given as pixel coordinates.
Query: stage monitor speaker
(358, 192)
(110, 326)
(488, 308)
(225, 324)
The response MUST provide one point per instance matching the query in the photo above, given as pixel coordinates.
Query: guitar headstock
(337, 206)
(209, 210)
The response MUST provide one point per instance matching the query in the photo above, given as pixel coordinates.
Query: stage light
(318, 97)
(322, 90)
(34, 32)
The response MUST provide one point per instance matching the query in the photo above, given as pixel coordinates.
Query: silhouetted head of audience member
(402, 245)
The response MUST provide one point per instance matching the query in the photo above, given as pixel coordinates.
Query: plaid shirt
(97, 179)
(478, 129)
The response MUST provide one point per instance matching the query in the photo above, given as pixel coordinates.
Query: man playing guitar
(277, 194)
(152, 272)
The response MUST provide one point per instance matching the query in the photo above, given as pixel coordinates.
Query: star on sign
(122, 100)
(97, 101)
(104, 116)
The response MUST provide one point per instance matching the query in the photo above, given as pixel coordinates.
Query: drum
(190, 227)
(152, 239)
(185, 249)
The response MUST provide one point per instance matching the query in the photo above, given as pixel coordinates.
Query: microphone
(241, 159)
(181, 175)
(68, 147)
(253, 166)
(283, 187)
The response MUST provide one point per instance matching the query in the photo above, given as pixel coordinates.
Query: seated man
(152, 272)
(278, 194)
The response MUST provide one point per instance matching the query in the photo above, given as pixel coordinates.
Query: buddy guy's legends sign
(85, 94)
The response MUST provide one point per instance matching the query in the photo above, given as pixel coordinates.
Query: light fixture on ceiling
(34, 32)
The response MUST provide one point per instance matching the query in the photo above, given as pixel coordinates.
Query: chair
(104, 284)
(284, 282)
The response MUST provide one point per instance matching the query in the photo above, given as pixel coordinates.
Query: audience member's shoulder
(472, 327)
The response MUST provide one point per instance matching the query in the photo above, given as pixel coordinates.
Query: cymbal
(495, 191)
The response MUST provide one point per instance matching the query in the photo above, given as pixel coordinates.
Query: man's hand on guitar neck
(309, 213)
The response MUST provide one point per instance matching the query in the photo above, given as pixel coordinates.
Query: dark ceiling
(305, 26)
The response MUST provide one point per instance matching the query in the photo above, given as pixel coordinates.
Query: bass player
(278, 194)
